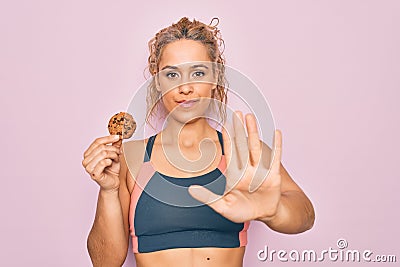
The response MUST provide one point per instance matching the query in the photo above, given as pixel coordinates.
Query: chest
(186, 162)
(165, 205)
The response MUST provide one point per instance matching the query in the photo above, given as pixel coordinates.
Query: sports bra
(163, 215)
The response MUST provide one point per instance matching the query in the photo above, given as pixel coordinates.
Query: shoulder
(132, 159)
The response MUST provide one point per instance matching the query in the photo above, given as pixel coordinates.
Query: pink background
(330, 70)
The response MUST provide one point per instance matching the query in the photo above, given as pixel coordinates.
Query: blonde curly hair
(210, 37)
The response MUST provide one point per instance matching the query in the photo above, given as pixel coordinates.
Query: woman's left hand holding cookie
(253, 190)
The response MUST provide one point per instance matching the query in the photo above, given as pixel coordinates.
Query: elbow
(296, 220)
(100, 255)
(306, 220)
(312, 219)
(309, 214)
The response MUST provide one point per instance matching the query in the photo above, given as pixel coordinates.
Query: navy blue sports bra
(163, 215)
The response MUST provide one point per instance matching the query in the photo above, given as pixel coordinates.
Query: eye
(172, 75)
(198, 73)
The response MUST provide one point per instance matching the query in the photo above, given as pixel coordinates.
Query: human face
(185, 80)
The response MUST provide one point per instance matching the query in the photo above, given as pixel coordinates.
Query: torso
(185, 257)
(192, 257)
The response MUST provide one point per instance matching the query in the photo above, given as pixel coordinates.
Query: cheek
(206, 90)
(168, 100)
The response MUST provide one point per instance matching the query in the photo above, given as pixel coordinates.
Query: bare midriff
(192, 257)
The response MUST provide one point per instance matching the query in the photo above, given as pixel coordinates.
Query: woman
(166, 234)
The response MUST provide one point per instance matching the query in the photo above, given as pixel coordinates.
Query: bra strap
(221, 141)
(149, 148)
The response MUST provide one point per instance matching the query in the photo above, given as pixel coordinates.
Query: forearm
(295, 214)
(107, 241)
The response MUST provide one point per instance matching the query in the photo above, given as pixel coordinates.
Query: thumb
(118, 143)
(202, 194)
(206, 196)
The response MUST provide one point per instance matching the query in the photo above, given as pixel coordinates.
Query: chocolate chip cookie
(122, 124)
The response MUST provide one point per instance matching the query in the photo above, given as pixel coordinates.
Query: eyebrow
(192, 67)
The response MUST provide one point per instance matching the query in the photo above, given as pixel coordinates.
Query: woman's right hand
(101, 161)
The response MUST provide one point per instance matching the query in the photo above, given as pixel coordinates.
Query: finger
(266, 155)
(117, 144)
(276, 161)
(259, 177)
(99, 168)
(111, 155)
(240, 139)
(98, 150)
(103, 149)
(101, 141)
(269, 177)
(253, 139)
(202, 194)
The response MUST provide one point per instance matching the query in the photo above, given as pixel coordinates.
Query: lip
(187, 100)
(187, 103)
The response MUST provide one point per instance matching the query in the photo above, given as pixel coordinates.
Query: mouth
(187, 103)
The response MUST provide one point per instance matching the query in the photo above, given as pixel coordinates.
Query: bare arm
(107, 242)
(295, 212)
(258, 189)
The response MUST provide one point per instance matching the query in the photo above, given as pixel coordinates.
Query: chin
(189, 116)
(185, 118)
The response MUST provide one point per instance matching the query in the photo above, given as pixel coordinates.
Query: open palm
(253, 186)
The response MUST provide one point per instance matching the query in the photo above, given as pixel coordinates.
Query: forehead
(183, 51)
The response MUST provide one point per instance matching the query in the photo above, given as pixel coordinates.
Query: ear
(157, 83)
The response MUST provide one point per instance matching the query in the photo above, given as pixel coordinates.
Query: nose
(186, 88)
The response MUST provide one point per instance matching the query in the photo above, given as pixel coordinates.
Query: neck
(189, 134)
